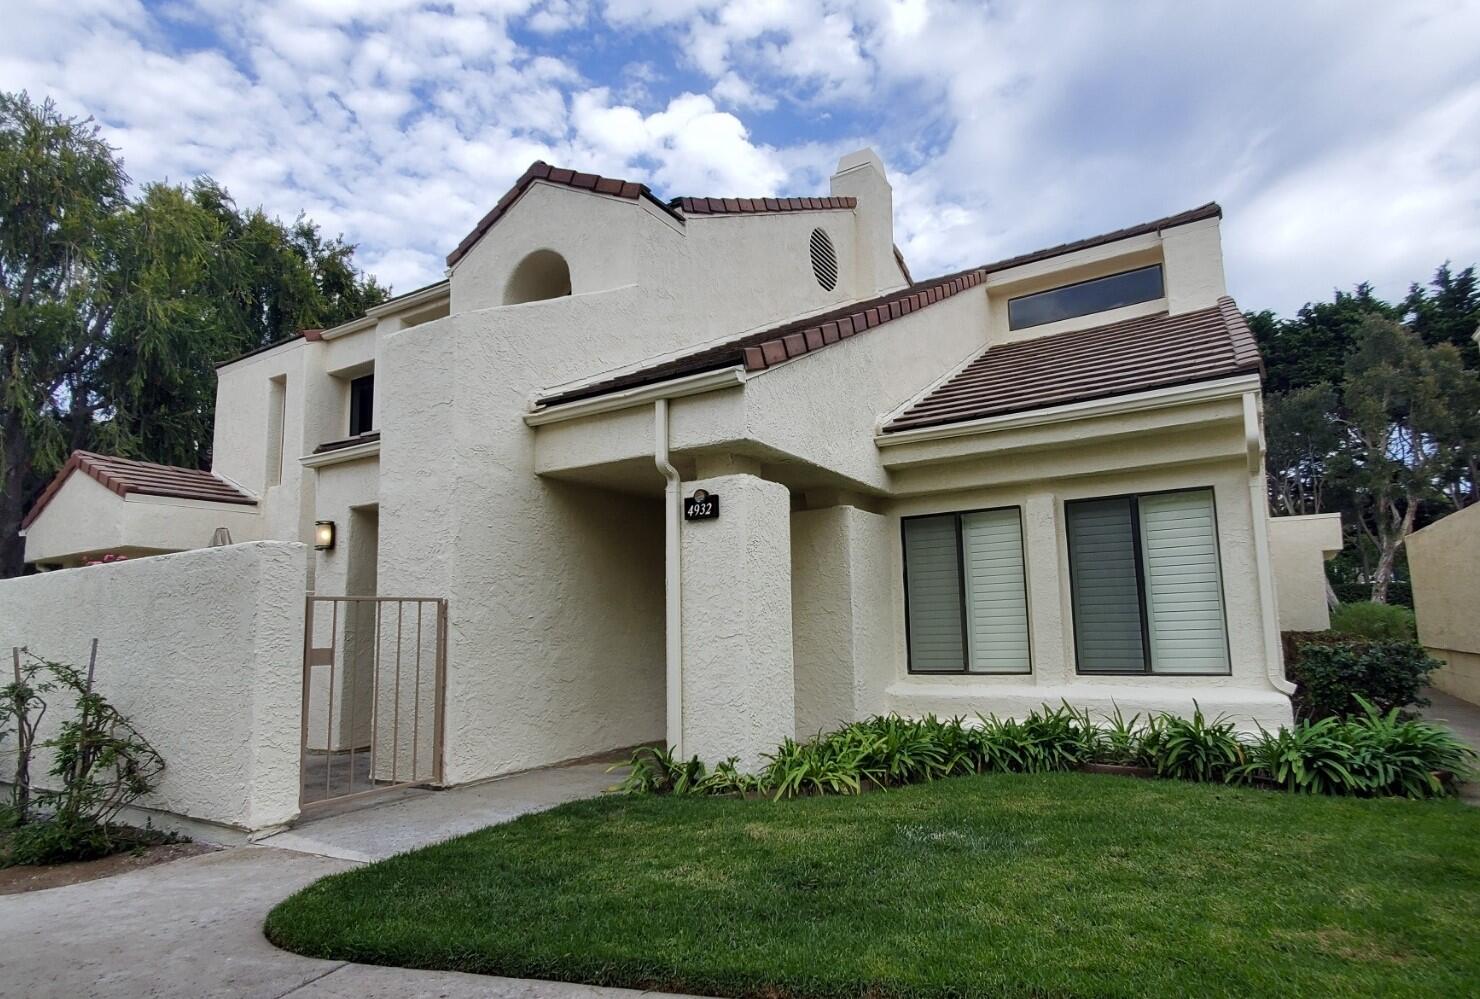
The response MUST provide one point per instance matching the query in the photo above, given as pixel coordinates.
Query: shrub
(1194, 748)
(1381, 622)
(1404, 756)
(1400, 592)
(1311, 757)
(1335, 676)
(652, 770)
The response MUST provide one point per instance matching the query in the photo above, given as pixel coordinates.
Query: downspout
(672, 578)
(1274, 655)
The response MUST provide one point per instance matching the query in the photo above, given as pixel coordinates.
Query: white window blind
(933, 589)
(1105, 588)
(1184, 592)
(996, 598)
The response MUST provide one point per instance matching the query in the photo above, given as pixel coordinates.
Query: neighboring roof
(125, 475)
(755, 206)
(759, 350)
(1133, 355)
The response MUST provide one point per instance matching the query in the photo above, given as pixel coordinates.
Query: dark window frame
(361, 409)
(1135, 502)
(1014, 326)
(965, 669)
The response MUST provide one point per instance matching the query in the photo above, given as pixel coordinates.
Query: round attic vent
(824, 260)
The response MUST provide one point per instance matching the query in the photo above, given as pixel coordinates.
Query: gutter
(672, 578)
(1274, 654)
(674, 388)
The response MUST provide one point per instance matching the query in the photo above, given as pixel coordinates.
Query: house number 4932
(702, 505)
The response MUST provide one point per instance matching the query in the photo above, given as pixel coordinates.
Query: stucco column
(738, 687)
(1048, 592)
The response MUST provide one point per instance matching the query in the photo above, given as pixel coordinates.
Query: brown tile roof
(1157, 351)
(540, 170)
(753, 206)
(762, 349)
(125, 476)
(677, 207)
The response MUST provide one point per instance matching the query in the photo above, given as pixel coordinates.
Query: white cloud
(1341, 146)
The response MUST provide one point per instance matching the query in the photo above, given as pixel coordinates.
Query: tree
(1401, 416)
(61, 204)
(1312, 348)
(114, 312)
(1301, 435)
(1449, 313)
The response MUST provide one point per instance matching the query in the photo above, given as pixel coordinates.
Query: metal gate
(374, 686)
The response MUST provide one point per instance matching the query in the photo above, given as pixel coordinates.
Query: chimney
(861, 175)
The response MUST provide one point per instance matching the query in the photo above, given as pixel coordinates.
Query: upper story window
(1086, 297)
(361, 405)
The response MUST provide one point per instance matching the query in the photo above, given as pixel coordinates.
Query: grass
(1001, 885)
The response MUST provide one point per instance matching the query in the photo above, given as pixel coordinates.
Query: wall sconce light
(323, 535)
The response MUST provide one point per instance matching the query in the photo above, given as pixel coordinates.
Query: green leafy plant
(1335, 676)
(1379, 622)
(654, 770)
(1195, 748)
(1404, 756)
(1310, 757)
(1120, 740)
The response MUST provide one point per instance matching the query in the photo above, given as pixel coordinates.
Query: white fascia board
(1134, 402)
(351, 453)
(674, 388)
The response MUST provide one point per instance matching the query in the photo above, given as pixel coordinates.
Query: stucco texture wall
(203, 651)
(842, 648)
(1298, 550)
(1442, 559)
(555, 591)
(738, 686)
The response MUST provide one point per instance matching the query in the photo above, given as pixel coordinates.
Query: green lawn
(1052, 885)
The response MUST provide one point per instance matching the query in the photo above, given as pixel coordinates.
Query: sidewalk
(193, 928)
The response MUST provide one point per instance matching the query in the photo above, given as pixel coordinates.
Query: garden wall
(203, 651)
(1442, 559)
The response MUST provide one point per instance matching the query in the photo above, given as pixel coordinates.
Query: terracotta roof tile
(125, 475)
(755, 206)
(1129, 356)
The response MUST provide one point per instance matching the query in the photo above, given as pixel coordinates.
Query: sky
(1341, 138)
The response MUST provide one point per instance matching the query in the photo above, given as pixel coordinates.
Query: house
(719, 471)
(1441, 560)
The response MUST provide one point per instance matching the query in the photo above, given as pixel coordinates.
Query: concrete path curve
(193, 928)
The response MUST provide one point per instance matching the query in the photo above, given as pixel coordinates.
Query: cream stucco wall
(1298, 550)
(86, 518)
(202, 650)
(843, 648)
(1442, 559)
(555, 590)
(738, 683)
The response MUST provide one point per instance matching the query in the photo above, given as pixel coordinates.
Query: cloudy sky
(1343, 139)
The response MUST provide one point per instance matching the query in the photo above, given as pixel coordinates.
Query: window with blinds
(966, 593)
(1146, 587)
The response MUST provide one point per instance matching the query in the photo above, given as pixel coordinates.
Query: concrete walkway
(1463, 719)
(193, 928)
(426, 817)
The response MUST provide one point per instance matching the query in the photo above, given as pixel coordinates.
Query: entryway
(374, 683)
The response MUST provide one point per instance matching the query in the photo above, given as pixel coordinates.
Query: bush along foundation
(1371, 753)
